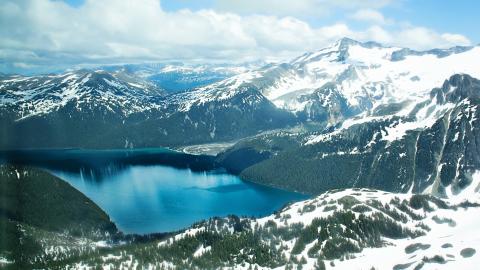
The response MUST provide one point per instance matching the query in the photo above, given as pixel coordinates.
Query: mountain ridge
(430, 147)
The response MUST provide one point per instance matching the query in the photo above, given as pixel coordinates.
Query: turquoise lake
(148, 199)
(155, 190)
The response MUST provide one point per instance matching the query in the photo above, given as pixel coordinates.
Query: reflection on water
(97, 164)
(145, 199)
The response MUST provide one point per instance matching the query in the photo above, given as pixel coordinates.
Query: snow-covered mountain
(429, 147)
(362, 76)
(351, 229)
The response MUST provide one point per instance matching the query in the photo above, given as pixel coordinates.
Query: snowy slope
(363, 75)
(451, 231)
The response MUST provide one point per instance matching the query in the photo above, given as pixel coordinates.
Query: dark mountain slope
(35, 206)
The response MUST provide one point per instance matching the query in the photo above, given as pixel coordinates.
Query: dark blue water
(146, 199)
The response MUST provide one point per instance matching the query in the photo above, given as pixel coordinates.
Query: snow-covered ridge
(366, 74)
(39, 95)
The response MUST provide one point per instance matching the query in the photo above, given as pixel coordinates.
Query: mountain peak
(346, 42)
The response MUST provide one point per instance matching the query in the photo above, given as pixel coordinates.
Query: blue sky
(49, 35)
(446, 15)
(461, 16)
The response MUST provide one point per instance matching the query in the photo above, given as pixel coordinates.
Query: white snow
(201, 250)
(69, 77)
(43, 94)
(113, 83)
(4, 261)
(470, 193)
(345, 125)
(136, 85)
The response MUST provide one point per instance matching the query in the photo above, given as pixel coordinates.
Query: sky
(53, 35)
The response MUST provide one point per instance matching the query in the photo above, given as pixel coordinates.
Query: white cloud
(456, 39)
(413, 37)
(295, 7)
(379, 34)
(424, 38)
(370, 15)
(51, 33)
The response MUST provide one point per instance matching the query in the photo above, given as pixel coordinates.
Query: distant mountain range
(98, 109)
(178, 77)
